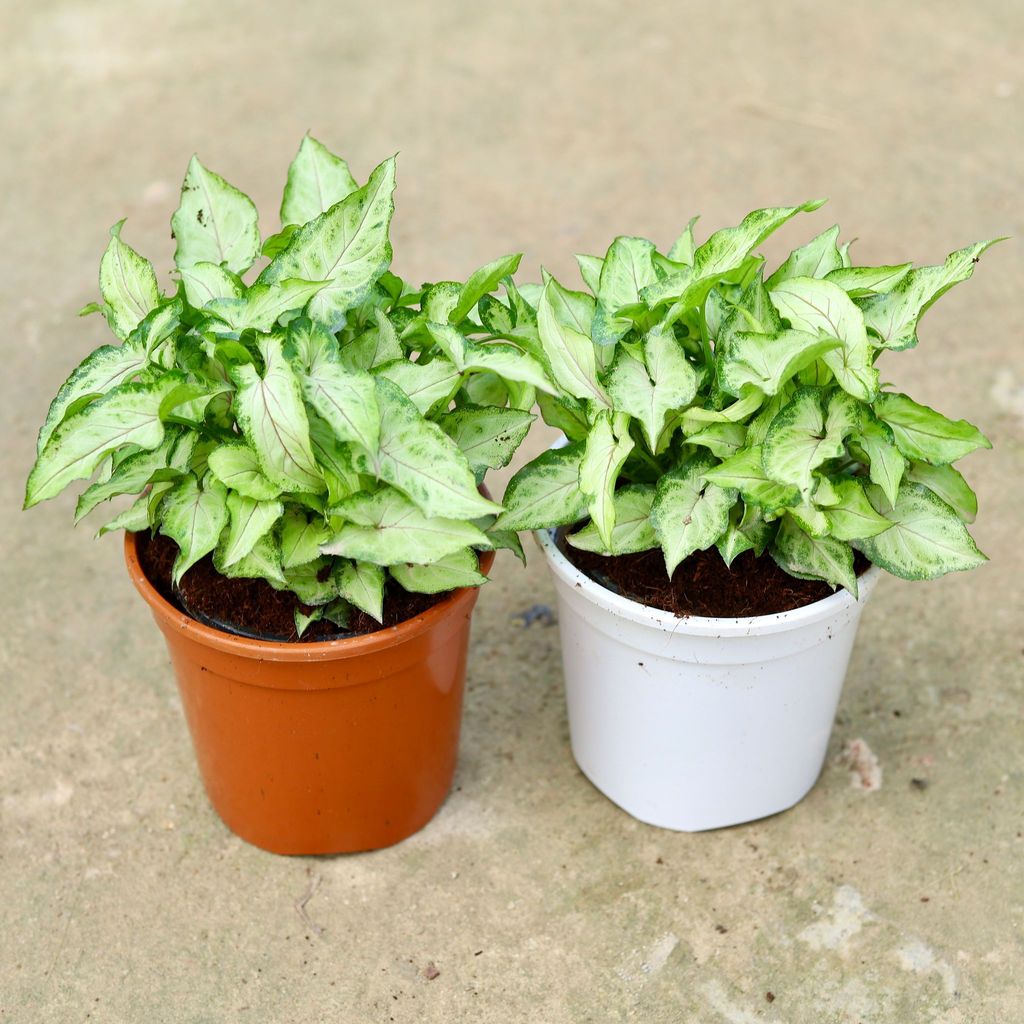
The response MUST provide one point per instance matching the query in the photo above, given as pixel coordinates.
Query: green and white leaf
(766, 363)
(853, 517)
(948, 483)
(301, 538)
(249, 520)
(128, 285)
(262, 305)
(632, 531)
(815, 558)
(386, 528)
(214, 223)
(206, 282)
(564, 333)
(459, 569)
(346, 400)
(627, 269)
(347, 246)
(194, 518)
(590, 270)
(745, 472)
(859, 282)
(425, 384)
(317, 179)
(606, 449)
(926, 435)
(362, 584)
(927, 538)
(722, 439)
(546, 492)
(894, 316)
(886, 464)
(127, 415)
(273, 419)
(821, 307)
(235, 464)
(689, 514)
(487, 436)
(818, 258)
(128, 477)
(418, 458)
(482, 282)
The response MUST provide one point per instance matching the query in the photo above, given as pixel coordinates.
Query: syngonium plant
(709, 403)
(301, 424)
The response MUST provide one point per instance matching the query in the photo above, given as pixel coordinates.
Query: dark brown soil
(254, 607)
(702, 584)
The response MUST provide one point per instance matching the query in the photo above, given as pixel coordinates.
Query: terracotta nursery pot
(329, 747)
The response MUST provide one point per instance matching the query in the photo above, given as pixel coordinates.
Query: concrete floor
(546, 128)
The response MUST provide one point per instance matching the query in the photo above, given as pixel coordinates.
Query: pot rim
(279, 651)
(697, 625)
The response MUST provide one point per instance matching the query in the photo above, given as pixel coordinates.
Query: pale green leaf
(564, 333)
(924, 434)
(386, 528)
(632, 531)
(821, 307)
(886, 464)
(133, 519)
(128, 477)
(311, 583)
(745, 472)
(127, 415)
(747, 531)
(545, 492)
(376, 346)
(689, 514)
(683, 248)
(301, 538)
(627, 269)
(128, 285)
(949, 485)
(814, 558)
(194, 518)
(317, 179)
(487, 436)
(347, 246)
(235, 464)
(482, 282)
(346, 400)
(205, 282)
(590, 270)
(853, 517)
(249, 520)
(927, 538)
(862, 281)
(606, 449)
(818, 258)
(418, 458)
(766, 362)
(893, 316)
(802, 436)
(459, 569)
(273, 419)
(362, 584)
(425, 384)
(214, 223)
(721, 439)
(263, 562)
(262, 305)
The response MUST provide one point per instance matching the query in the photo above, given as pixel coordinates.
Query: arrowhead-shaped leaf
(262, 304)
(425, 384)
(128, 285)
(628, 268)
(927, 538)
(272, 417)
(821, 307)
(815, 558)
(924, 434)
(949, 485)
(386, 528)
(249, 520)
(546, 492)
(345, 399)
(858, 282)
(818, 258)
(362, 584)
(482, 282)
(459, 569)
(317, 179)
(766, 363)
(852, 516)
(487, 436)
(347, 246)
(205, 282)
(689, 514)
(632, 531)
(605, 451)
(886, 464)
(564, 333)
(194, 518)
(235, 464)
(214, 223)
(127, 415)
(263, 562)
(893, 317)
(745, 472)
(418, 458)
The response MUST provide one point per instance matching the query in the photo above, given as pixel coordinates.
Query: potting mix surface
(703, 584)
(253, 607)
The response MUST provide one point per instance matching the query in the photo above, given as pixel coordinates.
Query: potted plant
(730, 458)
(307, 445)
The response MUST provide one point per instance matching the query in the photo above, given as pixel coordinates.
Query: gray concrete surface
(546, 128)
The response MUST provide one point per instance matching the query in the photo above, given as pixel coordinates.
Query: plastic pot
(697, 723)
(330, 747)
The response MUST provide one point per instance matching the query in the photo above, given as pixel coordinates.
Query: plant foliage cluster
(294, 408)
(707, 402)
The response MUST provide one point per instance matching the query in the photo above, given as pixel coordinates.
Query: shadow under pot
(694, 723)
(335, 746)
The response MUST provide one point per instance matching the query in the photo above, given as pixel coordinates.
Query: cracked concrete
(546, 128)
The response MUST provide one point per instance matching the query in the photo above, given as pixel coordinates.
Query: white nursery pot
(696, 723)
